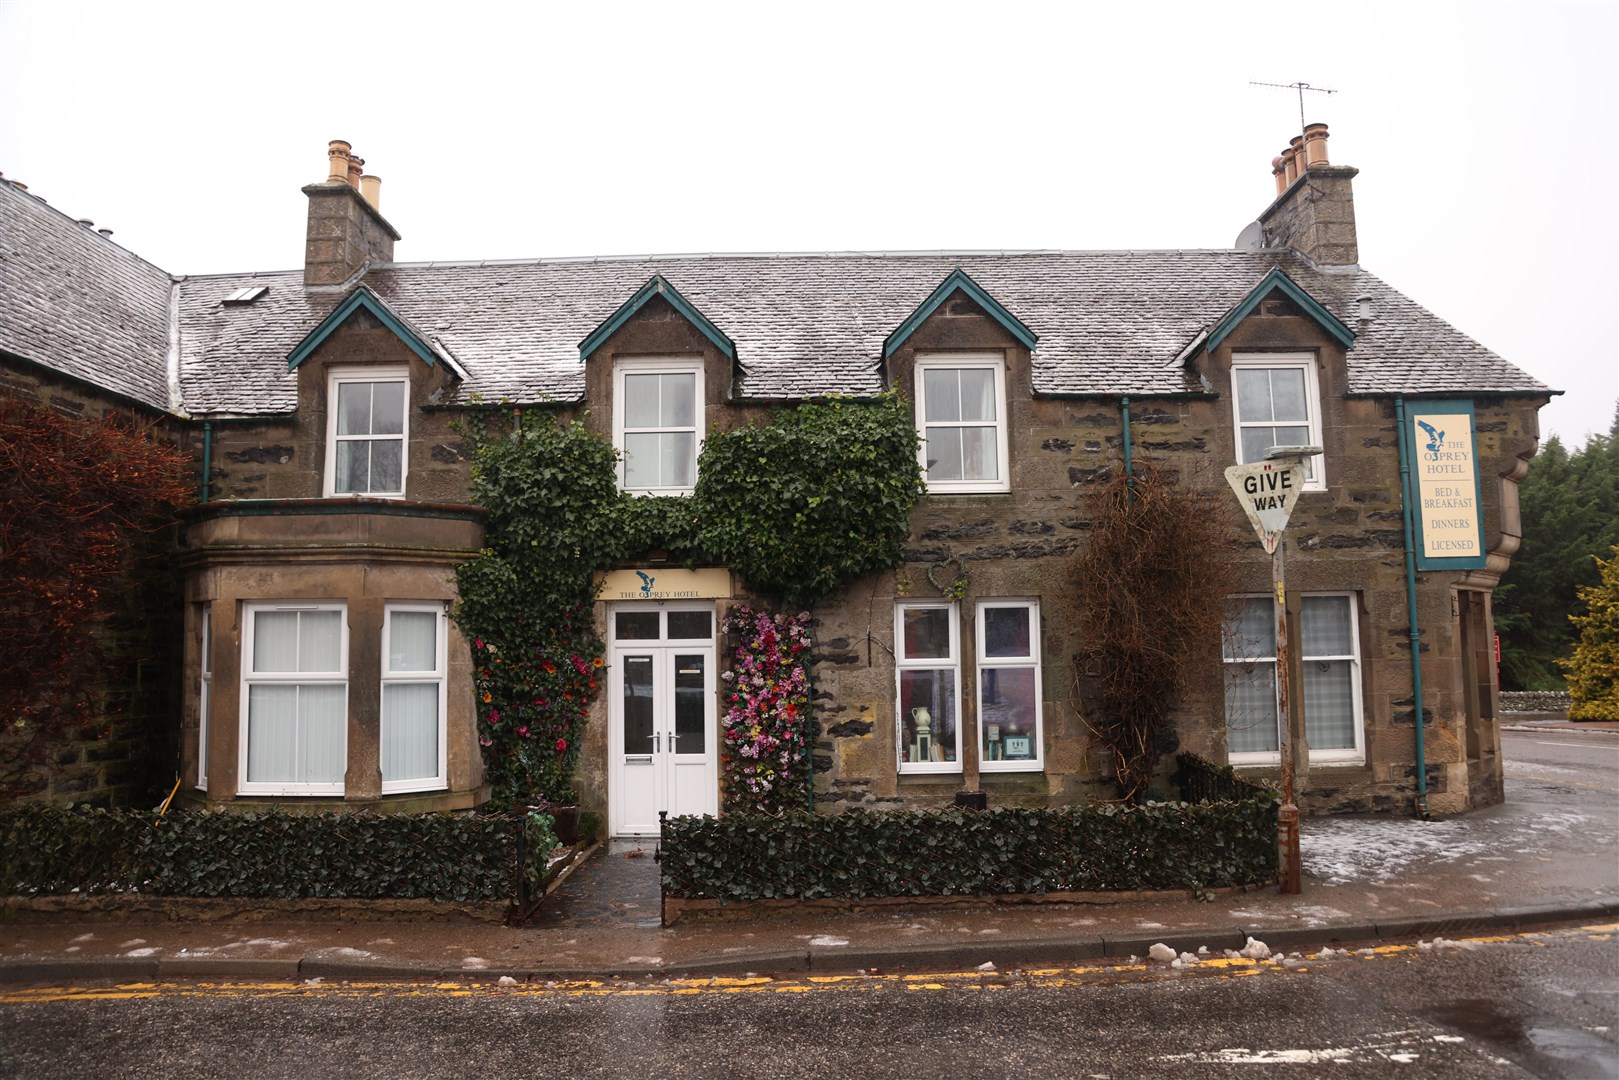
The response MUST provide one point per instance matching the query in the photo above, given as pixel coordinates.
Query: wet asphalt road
(1541, 1005)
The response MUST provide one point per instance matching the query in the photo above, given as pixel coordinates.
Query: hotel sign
(1445, 484)
(665, 583)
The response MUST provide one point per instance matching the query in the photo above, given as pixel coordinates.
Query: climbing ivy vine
(798, 507)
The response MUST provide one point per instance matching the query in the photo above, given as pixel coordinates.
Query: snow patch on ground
(1345, 850)
(351, 954)
(148, 951)
(827, 941)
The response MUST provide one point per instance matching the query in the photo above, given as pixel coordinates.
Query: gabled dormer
(957, 355)
(663, 365)
(1278, 354)
(365, 372)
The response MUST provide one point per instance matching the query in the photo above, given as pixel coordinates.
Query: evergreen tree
(1570, 510)
(1593, 673)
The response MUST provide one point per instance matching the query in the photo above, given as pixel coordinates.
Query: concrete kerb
(1005, 954)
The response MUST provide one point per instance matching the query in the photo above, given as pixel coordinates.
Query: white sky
(1485, 135)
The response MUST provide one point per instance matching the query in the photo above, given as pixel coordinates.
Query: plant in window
(1151, 585)
(766, 727)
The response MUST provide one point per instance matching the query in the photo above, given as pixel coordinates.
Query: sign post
(1268, 491)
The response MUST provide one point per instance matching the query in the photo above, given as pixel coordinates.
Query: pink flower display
(766, 729)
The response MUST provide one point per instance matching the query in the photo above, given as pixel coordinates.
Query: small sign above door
(665, 583)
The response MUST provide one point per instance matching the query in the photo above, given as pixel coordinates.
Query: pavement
(1549, 855)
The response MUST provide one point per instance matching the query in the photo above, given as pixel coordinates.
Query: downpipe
(1421, 798)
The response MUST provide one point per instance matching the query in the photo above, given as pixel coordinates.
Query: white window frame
(987, 663)
(1353, 756)
(951, 663)
(659, 365)
(1305, 362)
(437, 677)
(337, 376)
(996, 363)
(205, 688)
(250, 678)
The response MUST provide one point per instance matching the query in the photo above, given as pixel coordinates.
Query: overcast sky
(1485, 135)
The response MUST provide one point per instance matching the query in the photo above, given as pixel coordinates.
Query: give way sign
(1268, 491)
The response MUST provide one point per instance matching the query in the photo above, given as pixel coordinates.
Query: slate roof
(73, 300)
(1108, 322)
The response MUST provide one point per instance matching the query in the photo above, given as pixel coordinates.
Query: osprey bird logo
(1436, 439)
(646, 583)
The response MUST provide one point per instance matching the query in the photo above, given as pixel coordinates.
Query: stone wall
(125, 750)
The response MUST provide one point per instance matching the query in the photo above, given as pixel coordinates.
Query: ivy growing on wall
(798, 507)
(817, 498)
(525, 599)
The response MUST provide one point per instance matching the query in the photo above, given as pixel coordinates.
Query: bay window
(205, 686)
(413, 678)
(294, 699)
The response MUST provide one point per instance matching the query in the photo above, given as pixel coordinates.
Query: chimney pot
(356, 167)
(337, 162)
(1278, 169)
(1315, 145)
(371, 190)
(1295, 158)
(1290, 168)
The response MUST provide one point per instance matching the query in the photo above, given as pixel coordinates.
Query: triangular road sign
(1268, 491)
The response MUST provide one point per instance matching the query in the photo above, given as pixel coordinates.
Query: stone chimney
(346, 231)
(1314, 211)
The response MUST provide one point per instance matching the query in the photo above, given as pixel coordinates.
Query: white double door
(663, 706)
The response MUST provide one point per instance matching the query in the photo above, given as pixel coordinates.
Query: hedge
(864, 854)
(49, 850)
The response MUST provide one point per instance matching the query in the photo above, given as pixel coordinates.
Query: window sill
(953, 773)
(1001, 490)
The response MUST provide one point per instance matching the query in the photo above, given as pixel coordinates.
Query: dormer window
(658, 424)
(1277, 402)
(961, 418)
(367, 425)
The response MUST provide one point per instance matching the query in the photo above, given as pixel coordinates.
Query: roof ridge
(940, 253)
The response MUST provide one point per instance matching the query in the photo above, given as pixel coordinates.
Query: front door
(663, 732)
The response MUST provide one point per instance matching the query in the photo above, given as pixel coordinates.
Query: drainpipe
(1411, 602)
(207, 457)
(1129, 458)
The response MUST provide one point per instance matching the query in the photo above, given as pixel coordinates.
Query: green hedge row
(49, 850)
(861, 854)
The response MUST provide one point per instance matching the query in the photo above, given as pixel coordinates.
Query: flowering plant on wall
(766, 730)
(527, 599)
(533, 702)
